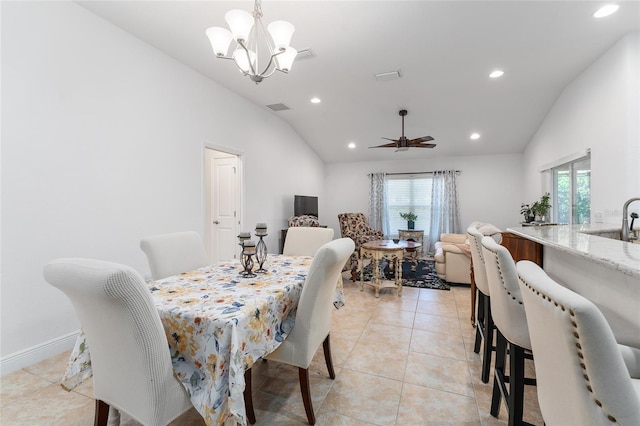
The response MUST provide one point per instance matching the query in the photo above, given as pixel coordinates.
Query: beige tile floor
(399, 361)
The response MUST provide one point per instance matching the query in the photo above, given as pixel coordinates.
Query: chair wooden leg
(499, 387)
(102, 413)
(248, 397)
(326, 346)
(516, 384)
(303, 373)
(479, 321)
(488, 340)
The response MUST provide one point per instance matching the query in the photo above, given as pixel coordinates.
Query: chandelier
(250, 37)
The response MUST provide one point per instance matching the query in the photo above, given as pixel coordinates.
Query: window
(407, 194)
(572, 191)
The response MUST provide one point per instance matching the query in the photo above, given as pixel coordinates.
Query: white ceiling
(443, 49)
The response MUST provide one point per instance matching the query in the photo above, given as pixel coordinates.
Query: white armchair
(452, 262)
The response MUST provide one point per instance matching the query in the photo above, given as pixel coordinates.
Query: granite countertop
(576, 240)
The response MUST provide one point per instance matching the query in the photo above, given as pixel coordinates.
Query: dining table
(218, 323)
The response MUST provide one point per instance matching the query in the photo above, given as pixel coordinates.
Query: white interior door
(223, 197)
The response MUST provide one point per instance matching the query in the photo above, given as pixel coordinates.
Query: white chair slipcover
(172, 254)
(305, 241)
(582, 375)
(130, 356)
(313, 319)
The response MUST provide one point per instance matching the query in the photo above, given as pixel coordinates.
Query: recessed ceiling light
(315, 100)
(351, 145)
(474, 136)
(496, 74)
(605, 10)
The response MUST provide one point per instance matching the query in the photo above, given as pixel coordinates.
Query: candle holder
(247, 262)
(261, 252)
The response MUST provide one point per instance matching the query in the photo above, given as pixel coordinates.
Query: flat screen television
(303, 204)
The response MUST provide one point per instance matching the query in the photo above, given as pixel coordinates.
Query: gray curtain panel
(376, 201)
(445, 217)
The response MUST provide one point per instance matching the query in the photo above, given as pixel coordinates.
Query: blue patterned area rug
(421, 274)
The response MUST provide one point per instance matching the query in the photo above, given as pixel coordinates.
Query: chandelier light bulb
(220, 39)
(240, 56)
(285, 59)
(281, 33)
(240, 22)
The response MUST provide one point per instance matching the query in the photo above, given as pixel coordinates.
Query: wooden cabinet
(522, 248)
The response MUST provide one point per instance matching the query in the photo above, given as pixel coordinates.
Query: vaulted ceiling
(444, 51)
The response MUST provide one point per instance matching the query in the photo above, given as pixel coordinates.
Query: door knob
(215, 222)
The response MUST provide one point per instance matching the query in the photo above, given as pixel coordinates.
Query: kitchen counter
(603, 270)
(575, 240)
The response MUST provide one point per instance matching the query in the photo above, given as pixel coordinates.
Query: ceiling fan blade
(389, 139)
(422, 139)
(386, 145)
(423, 145)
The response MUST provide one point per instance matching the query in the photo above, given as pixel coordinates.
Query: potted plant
(541, 208)
(410, 218)
(527, 212)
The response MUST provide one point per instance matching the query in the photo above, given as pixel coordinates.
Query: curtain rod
(418, 173)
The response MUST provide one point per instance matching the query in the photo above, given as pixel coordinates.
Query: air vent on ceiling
(278, 107)
(304, 54)
(386, 76)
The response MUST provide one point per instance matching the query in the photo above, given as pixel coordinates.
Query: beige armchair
(453, 258)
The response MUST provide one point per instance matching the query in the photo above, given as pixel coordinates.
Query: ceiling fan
(403, 143)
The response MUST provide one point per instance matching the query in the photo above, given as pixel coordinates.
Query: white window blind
(405, 194)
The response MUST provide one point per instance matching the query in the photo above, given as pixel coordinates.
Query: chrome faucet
(625, 223)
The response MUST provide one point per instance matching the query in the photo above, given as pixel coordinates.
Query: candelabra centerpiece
(261, 247)
(246, 257)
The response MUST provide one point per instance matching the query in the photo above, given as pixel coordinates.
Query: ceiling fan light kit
(250, 36)
(403, 143)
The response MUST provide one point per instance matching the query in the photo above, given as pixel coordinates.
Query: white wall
(489, 186)
(102, 144)
(599, 110)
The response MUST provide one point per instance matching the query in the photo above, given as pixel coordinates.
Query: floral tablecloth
(218, 324)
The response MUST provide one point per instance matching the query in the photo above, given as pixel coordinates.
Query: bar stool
(512, 335)
(484, 320)
(584, 376)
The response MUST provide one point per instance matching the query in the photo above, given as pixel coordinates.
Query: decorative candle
(249, 243)
(261, 226)
(244, 235)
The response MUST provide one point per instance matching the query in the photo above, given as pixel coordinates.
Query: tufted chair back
(479, 270)
(581, 374)
(506, 301)
(356, 227)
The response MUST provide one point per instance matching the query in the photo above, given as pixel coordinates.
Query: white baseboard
(37, 353)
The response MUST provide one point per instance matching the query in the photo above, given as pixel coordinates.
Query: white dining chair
(172, 254)
(313, 319)
(584, 376)
(130, 358)
(305, 240)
